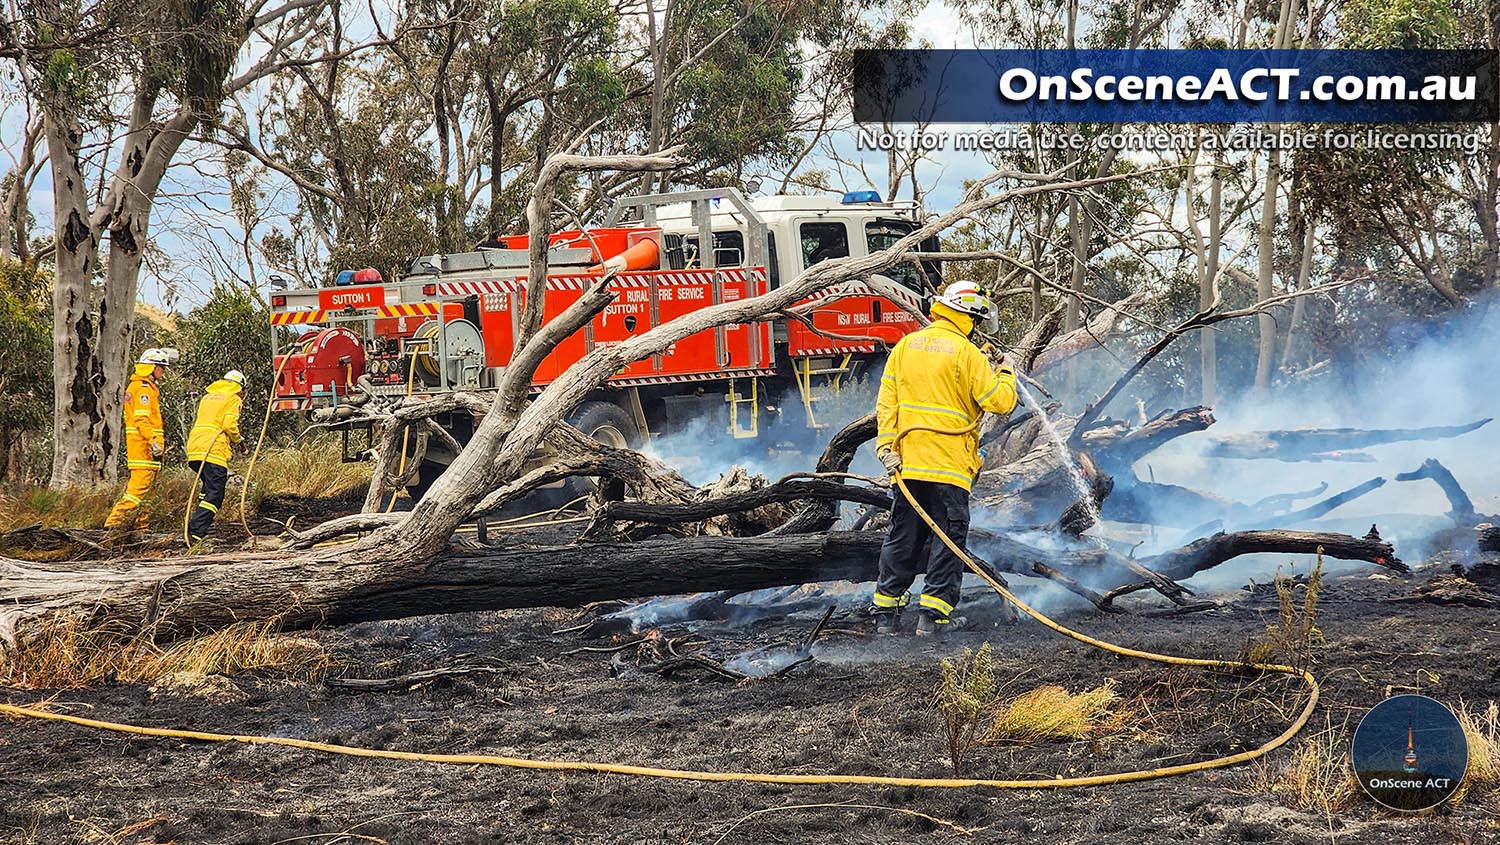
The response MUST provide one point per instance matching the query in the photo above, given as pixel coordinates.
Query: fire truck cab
(450, 323)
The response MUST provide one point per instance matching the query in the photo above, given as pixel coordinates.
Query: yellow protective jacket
(937, 377)
(217, 427)
(143, 419)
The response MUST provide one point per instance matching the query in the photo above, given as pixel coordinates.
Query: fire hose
(797, 779)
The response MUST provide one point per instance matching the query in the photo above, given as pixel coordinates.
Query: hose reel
(451, 350)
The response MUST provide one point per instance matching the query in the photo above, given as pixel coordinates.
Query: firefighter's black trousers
(910, 547)
(212, 478)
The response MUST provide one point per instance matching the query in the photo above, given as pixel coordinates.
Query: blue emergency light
(861, 196)
(345, 277)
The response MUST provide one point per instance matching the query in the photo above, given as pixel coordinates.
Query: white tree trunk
(1266, 247)
(83, 444)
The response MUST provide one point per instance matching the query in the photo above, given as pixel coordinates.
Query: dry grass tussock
(70, 654)
(313, 470)
(1317, 777)
(1052, 713)
(1482, 728)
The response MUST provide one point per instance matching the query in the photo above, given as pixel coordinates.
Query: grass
(70, 653)
(1317, 777)
(1482, 729)
(313, 470)
(1293, 637)
(1052, 713)
(964, 695)
(973, 712)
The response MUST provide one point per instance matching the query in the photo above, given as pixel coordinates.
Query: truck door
(854, 317)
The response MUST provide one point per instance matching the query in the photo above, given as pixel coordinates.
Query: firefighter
(145, 439)
(215, 432)
(934, 377)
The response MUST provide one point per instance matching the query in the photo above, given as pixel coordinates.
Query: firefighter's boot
(887, 620)
(931, 624)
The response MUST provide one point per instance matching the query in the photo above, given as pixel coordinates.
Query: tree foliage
(26, 366)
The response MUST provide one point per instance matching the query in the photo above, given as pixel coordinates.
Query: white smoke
(1445, 379)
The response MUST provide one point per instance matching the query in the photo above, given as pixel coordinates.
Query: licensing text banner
(1174, 86)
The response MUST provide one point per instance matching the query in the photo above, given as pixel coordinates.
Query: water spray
(1065, 457)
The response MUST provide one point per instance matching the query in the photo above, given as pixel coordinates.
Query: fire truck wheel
(607, 423)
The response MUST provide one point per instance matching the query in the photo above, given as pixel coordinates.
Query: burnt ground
(862, 707)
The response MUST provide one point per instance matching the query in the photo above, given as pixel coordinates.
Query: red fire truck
(450, 323)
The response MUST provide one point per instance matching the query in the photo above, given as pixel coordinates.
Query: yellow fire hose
(411, 374)
(792, 779)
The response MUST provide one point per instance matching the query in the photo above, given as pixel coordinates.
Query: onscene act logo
(1410, 753)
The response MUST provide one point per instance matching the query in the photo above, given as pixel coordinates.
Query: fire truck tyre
(607, 423)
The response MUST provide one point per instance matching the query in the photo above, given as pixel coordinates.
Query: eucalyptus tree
(122, 85)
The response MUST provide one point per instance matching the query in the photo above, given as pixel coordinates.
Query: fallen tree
(1325, 444)
(513, 428)
(180, 596)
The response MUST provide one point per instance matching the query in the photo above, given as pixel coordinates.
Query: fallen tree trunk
(1204, 554)
(201, 594)
(1325, 444)
(786, 490)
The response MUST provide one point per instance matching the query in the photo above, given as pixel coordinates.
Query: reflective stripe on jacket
(937, 377)
(217, 427)
(142, 413)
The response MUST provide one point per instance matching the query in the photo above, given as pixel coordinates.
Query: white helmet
(159, 357)
(965, 297)
(235, 376)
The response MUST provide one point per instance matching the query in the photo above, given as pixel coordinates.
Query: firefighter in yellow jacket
(934, 377)
(215, 433)
(145, 438)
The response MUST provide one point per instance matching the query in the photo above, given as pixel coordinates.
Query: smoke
(1441, 377)
(1431, 373)
(703, 449)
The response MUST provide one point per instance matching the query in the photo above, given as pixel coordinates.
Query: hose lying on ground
(794, 779)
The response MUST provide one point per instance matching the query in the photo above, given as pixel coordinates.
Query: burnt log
(785, 490)
(820, 514)
(1325, 444)
(1120, 455)
(1204, 554)
(1460, 506)
(1317, 509)
(206, 593)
